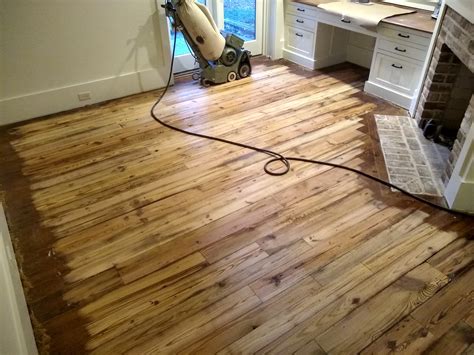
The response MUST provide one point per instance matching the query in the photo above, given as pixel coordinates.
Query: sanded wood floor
(134, 238)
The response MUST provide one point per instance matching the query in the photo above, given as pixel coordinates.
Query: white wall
(52, 50)
(419, 4)
(463, 7)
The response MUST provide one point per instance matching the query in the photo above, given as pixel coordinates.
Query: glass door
(244, 18)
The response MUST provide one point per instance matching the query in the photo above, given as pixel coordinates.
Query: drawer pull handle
(345, 21)
(397, 66)
(299, 21)
(298, 34)
(400, 50)
(403, 36)
(300, 9)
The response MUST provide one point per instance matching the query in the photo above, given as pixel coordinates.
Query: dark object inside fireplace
(438, 133)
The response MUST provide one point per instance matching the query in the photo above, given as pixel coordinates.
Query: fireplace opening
(446, 104)
(448, 98)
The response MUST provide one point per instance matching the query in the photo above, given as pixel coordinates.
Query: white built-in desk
(316, 39)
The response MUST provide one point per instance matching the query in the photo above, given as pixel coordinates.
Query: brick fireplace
(446, 101)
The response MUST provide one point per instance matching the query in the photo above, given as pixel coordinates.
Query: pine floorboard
(132, 238)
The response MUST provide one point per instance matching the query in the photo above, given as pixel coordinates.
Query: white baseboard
(314, 63)
(388, 94)
(16, 336)
(42, 103)
(299, 59)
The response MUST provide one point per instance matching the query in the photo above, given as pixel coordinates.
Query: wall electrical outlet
(83, 96)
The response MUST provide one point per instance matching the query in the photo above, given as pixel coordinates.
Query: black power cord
(277, 157)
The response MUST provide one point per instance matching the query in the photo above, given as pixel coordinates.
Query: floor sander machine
(221, 59)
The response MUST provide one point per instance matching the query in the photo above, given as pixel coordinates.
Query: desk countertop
(420, 20)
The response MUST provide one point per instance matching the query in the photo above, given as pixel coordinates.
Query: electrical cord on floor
(277, 157)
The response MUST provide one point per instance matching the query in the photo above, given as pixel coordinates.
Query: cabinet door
(299, 41)
(395, 73)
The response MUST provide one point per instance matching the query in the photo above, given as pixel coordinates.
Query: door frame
(166, 45)
(274, 26)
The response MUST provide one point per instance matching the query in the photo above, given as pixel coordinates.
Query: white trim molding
(459, 192)
(16, 336)
(274, 29)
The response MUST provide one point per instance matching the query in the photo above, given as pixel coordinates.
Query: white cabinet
(403, 50)
(404, 35)
(397, 62)
(310, 39)
(300, 29)
(300, 9)
(395, 72)
(299, 41)
(315, 38)
(300, 22)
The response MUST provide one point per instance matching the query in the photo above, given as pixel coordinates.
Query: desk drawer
(395, 73)
(401, 49)
(299, 41)
(403, 36)
(300, 10)
(300, 22)
(344, 22)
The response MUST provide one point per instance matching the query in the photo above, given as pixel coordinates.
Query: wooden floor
(134, 238)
